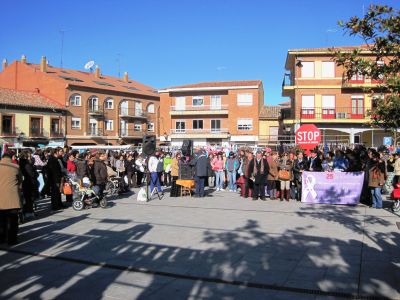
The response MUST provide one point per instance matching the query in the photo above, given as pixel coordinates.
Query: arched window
(150, 108)
(109, 103)
(93, 103)
(75, 100)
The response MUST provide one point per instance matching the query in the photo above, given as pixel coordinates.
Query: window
(379, 79)
(307, 106)
(180, 126)
(307, 69)
(216, 102)
(109, 125)
(150, 126)
(357, 107)
(273, 133)
(197, 124)
(245, 99)
(215, 125)
(357, 78)
(75, 100)
(93, 104)
(109, 104)
(245, 124)
(180, 103)
(76, 123)
(7, 125)
(328, 69)
(198, 101)
(55, 126)
(138, 126)
(328, 106)
(150, 108)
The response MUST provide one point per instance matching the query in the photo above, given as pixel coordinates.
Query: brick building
(101, 109)
(320, 94)
(211, 113)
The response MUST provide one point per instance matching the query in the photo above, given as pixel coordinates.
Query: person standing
(29, 183)
(259, 170)
(272, 175)
(231, 166)
(10, 183)
(100, 173)
(396, 167)
(200, 165)
(285, 176)
(211, 175)
(167, 170)
(55, 175)
(153, 169)
(299, 165)
(315, 163)
(217, 165)
(131, 171)
(376, 180)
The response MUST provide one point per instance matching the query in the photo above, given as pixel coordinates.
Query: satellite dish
(89, 65)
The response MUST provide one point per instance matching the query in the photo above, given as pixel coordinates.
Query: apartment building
(211, 113)
(321, 94)
(30, 119)
(101, 109)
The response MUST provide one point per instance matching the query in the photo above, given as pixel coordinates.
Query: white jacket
(153, 162)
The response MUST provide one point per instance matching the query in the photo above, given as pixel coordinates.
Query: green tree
(380, 30)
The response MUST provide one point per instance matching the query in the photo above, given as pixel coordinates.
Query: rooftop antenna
(62, 31)
(89, 65)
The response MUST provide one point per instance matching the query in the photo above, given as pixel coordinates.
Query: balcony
(36, 133)
(132, 133)
(96, 111)
(95, 132)
(199, 110)
(287, 85)
(9, 132)
(132, 113)
(360, 82)
(54, 133)
(200, 133)
(336, 114)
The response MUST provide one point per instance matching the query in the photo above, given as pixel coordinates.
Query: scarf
(255, 167)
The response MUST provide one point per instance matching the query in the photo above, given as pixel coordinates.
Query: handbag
(284, 175)
(67, 189)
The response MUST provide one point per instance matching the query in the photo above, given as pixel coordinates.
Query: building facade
(30, 119)
(211, 113)
(101, 109)
(321, 94)
(270, 129)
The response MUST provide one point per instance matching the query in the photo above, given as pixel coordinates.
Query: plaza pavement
(217, 247)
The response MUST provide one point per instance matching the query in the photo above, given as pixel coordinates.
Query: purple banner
(332, 187)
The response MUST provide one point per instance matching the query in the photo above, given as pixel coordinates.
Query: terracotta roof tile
(219, 84)
(27, 99)
(88, 79)
(363, 46)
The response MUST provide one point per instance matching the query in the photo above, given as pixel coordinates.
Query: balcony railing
(199, 107)
(96, 110)
(360, 81)
(132, 113)
(96, 132)
(132, 132)
(9, 132)
(36, 132)
(337, 113)
(54, 133)
(287, 80)
(200, 131)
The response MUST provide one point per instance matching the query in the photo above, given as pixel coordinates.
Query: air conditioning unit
(342, 115)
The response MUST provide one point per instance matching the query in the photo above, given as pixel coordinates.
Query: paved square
(217, 247)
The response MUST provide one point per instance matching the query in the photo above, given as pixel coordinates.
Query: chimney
(4, 64)
(126, 78)
(43, 64)
(97, 72)
(23, 59)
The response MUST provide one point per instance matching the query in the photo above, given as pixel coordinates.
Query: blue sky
(172, 42)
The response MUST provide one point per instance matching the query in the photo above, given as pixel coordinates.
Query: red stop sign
(308, 136)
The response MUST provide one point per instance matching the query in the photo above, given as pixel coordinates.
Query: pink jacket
(217, 164)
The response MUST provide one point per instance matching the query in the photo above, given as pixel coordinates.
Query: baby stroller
(396, 198)
(88, 196)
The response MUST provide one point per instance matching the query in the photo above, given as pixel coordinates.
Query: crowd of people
(258, 174)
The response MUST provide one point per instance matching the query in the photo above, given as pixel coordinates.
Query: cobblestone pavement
(218, 247)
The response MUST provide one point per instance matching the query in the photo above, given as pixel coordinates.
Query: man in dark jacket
(299, 165)
(259, 169)
(315, 163)
(54, 170)
(100, 173)
(200, 165)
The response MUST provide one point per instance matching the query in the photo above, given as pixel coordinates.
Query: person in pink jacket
(217, 165)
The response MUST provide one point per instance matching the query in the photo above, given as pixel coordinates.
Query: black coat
(299, 165)
(200, 163)
(258, 177)
(130, 166)
(100, 172)
(315, 165)
(54, 170)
